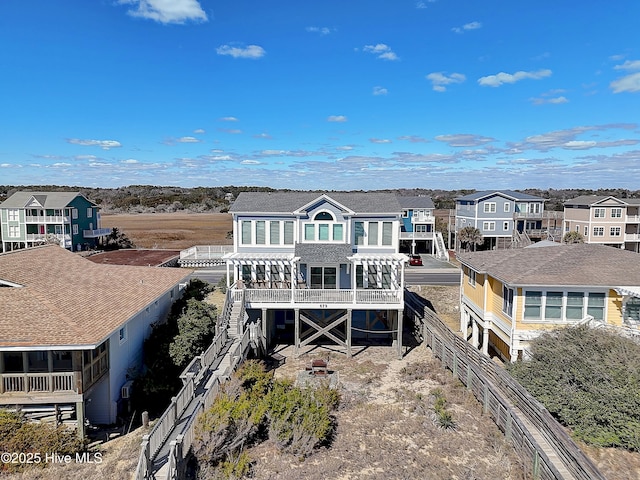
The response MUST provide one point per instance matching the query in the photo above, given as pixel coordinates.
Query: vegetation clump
(442, 417)
(251, 408)
(32, 441)
(589, 380)
(189, 330)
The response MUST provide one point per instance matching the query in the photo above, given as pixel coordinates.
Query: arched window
(323, 216)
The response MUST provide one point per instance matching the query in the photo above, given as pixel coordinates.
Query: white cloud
(440, 79)
(379, 140)
(130, 161)
(502, 78)
(320, 30)
(103, 144)
(228, 119)
(629, 65)
(232, 131)
(467, 27)
(464, 140)
(630, 83)
(250, 162)
(337, 118)
(250, 51)
(580, 144)
(380, 91)
(345, 148)
(167, 11)
(381, 51)
(199, 131)
(552, 100)
(188, 140)
(423, 4)
(413, 139)
(262, 135)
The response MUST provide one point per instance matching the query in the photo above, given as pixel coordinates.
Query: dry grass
(174, 231)
(385, 428)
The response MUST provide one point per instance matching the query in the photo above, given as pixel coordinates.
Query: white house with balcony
(28, 219)
(319, 267)
(71, 331)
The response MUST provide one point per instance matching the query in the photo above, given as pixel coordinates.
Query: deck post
(399, 339)
(263, 335)
(349, 320)
(296, 337)
(80, 419)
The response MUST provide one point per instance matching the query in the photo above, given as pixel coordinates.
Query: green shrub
(589, 380)
(20, 435)
(442, 417)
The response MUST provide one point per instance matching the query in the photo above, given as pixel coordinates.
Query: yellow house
(509, 297)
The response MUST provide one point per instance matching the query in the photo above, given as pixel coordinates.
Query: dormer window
(323, 216)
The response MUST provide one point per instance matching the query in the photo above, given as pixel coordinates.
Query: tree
(573, 237)
(470, 236)
(117, 240)
(196, 329)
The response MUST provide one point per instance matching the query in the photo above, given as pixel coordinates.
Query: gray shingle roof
(508, 193)
(288, 202)
(46, 199)
(592, 199)
(415, 202)
(323, 252)
(571, 265)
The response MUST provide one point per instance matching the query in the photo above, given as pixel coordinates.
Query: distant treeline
(149, 198)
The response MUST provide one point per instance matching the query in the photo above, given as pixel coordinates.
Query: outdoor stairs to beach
(235, 319)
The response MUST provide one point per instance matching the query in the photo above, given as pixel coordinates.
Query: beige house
(605, 220)
(509, 297)
(71, 329)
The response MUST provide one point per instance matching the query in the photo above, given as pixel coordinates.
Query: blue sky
(321, 94)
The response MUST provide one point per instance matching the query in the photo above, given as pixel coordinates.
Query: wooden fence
(512, 408)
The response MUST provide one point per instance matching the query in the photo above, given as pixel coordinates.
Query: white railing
(46, 219)
(416, 235)
(422, 218)
(42, 237)
(98, 232)
(632, 219)
(63, 382)
(632, 237)
(379, 296)
(322, 296)
(206, 251)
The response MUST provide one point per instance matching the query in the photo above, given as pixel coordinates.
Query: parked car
(415, 260)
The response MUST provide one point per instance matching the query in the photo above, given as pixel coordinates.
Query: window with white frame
(505, 226)
(89, 212)
(598, 231)
(472, 277)
(246, 232)
(595, 306)
(533, 305)
(405, 214)
(309, 232)
(553, 306)
(373, 233)
(13, 214)
(616, 213)
(74, 213)
(274, 232)
(122, 334)
(288, 233)
(575, 306)
(14, 231)
(507, 207)
(338, 232)
(260, 232)
(359, 233)
(387, 233)
(75, 229)
(420, 228)
(488, 226)
(599, 212)
(615, 231)
(490, 207)
(507, 300)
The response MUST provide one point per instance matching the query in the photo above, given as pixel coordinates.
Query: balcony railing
(49, 382)
(47, 219)
(40, 237)
(422, 218)
(98, 232)
(632, 219)
(323, 296)
(416, 235)
(632, 237)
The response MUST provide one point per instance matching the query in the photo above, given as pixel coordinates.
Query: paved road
(413, 275)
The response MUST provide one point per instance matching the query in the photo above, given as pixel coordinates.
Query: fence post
(536, 465)
(455, 364)
(147, 456)
(468, 374)
(507, 428)
(485, 406)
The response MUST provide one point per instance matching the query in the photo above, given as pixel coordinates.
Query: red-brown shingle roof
(68, 300)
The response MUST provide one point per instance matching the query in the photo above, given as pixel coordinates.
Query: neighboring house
(28, 219)
(605, 220)
(509, 297)
(71, 331)
(506, 218)
(417, 231)
(319, 267)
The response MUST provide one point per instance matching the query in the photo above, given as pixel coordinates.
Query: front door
(324, 277)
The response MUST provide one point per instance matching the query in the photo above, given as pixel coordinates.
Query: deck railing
(49, 382)
(504, 399)
(321, 296)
